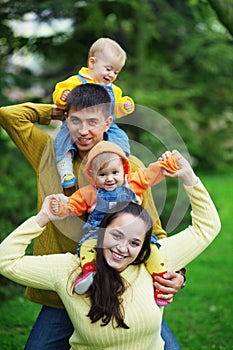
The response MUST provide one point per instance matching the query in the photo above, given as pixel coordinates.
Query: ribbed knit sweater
(57, 272)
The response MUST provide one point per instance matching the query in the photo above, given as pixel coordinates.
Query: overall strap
(109, 89)
(83, 80)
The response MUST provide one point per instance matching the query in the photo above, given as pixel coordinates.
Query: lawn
(200, 316)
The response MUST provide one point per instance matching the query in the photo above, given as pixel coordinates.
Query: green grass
(201, 314)
(17, 317)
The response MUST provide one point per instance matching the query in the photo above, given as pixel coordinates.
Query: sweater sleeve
(82, 200)
(61, 86)
(182, 248)
(19, 122)
(34, 271)
(119, 109)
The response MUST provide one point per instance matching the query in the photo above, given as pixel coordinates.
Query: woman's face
(123, 240)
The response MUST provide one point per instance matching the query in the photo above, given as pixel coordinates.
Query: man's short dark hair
(89, 95)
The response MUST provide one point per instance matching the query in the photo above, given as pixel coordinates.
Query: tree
(224, 12)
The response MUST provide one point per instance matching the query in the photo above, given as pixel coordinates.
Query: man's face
(87, 127)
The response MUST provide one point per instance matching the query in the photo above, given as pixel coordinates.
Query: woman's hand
(185, 171)
(45, 215)
(169, 284)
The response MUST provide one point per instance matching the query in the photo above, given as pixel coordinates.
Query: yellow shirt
(74, 80)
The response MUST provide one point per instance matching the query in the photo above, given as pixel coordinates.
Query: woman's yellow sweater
(57, 272)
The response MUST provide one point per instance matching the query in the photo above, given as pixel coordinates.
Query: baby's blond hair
(107, 43)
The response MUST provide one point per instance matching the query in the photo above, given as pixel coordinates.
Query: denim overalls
(64, 143)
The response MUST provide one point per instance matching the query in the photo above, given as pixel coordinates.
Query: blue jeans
(168, 337)
(53, 329)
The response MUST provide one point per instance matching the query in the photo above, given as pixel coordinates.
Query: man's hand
(169, 284)
(57, 113)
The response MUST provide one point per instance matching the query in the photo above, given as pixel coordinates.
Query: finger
(167, 297)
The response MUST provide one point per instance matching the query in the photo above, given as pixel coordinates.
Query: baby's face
(111, 175)
(104, 67)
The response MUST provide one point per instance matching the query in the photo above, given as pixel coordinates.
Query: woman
(128, 318)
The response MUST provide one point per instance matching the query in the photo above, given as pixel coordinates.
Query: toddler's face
(104, 67)
(111, 175)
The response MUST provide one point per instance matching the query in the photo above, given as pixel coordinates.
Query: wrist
(182, 272)
(190, 179)
(41, 219)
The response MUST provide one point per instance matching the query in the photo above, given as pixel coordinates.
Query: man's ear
(91, 62)
(108, 123)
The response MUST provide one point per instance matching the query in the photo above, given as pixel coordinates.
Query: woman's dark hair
(108, 286)
(91, 96)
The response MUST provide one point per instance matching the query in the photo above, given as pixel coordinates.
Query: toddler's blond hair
(109, 44)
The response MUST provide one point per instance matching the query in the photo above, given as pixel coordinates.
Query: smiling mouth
(83, 141)
(117, 256)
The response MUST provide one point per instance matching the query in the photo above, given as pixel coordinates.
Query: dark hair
(108, 286)
(89, 95)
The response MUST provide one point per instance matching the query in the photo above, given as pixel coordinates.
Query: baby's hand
(64, 95)
(184, 172)
(128, 105)
(58, 205)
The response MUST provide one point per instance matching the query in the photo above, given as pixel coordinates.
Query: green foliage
(179, 51)
(17, 316)
(17, 187)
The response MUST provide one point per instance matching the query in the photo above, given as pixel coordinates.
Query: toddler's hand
(58, 205)
(64, 95)
(128, 105)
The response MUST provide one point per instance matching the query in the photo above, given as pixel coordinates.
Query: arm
(182, 248)
(19, 122)
(143, 178)
(124, 104)
(61, 87)
(35, 271)
(77, 204)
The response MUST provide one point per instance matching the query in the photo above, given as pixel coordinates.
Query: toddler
(105, 60)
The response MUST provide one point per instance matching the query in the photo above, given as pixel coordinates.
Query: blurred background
(179, 64)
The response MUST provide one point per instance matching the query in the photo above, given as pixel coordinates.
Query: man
(88, 118)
